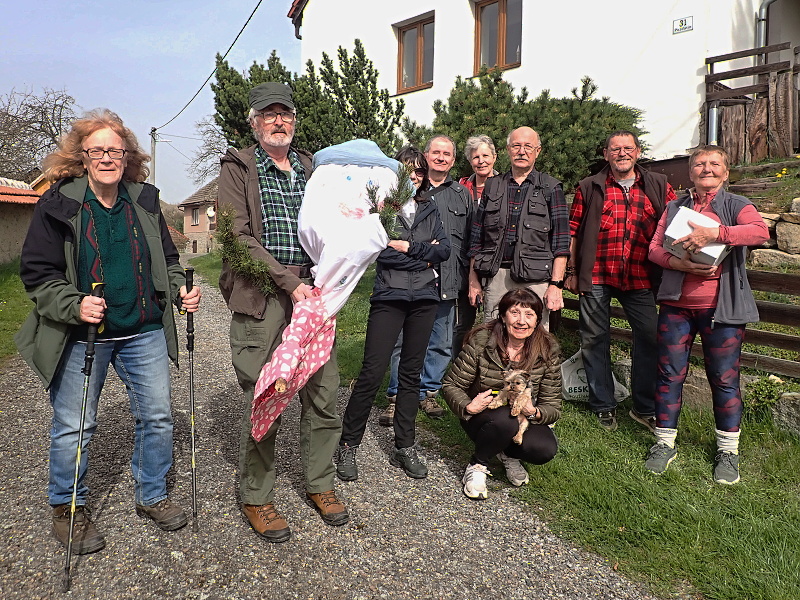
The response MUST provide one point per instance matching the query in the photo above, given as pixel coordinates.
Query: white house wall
(627, 48)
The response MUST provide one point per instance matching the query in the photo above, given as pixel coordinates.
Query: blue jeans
(437, 356)
(595, 324)
(143, 366)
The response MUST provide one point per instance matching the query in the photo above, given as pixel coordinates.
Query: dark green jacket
(48, 271)
(479, 368)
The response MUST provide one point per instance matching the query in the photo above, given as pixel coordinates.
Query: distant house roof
(14, 183)
(178, 238)
(296, 15)
(206, 194)
(17, 195)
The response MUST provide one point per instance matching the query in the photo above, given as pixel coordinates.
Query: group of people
(508, 242)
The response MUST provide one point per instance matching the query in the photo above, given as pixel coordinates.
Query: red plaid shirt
(627, 224)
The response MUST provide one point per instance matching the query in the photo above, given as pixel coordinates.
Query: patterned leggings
(722, 348)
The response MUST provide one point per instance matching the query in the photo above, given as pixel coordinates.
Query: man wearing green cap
(265, 184)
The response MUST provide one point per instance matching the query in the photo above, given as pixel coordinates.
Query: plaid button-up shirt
(281, 196)
(627, 224)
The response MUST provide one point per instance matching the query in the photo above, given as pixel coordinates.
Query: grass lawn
(14, 307)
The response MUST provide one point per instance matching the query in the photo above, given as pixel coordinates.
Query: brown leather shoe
(85, 537)
(267, 522)
(329, 508)
(168, 516)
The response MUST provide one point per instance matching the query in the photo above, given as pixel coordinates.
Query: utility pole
(153, 155)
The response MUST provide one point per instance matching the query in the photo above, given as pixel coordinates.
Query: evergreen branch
(390, 205)
(238, 256)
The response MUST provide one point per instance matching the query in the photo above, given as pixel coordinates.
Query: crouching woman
(514, 340)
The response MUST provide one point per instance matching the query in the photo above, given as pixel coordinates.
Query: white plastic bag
(574, 385)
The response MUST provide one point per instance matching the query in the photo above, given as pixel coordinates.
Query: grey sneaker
(346, 468)
(648, 421)
(726, 468)
(607, 420)
(386, 418)
(474, 481)
(516, 473)
(659, 457)
(408, 460)
(430, 407)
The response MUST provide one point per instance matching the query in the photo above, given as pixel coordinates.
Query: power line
(183, 137)
(212, 72)
(176, 150)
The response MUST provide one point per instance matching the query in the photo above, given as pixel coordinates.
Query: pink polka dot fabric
(305, 347)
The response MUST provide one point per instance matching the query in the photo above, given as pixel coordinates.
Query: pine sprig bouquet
(388, 207)
(238, 256)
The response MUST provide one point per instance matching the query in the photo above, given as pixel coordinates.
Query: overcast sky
(144, 60)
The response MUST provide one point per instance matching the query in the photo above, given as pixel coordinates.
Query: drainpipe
(761, 28)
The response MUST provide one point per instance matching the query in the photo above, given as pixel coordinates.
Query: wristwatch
(559, 284)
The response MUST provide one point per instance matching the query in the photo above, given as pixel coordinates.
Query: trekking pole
(190, 348)
(97, 290)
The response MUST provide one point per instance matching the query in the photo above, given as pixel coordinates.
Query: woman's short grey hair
(474, 142)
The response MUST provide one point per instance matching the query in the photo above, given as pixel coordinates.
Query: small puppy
(515, 393)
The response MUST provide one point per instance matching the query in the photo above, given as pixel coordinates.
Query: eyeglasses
(271, 117)
(625, 149)
(98, 153)
(527, 148)
(419, 173)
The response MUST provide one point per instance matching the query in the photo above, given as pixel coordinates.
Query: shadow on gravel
(226, 423)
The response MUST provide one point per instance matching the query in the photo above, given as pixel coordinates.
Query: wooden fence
(771, 312)
(756, 121)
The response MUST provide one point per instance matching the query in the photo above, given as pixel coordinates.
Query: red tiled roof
(177, 235)
(12, 195)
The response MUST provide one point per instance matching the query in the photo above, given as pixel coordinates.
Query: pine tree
(333, 104)
(572, 130)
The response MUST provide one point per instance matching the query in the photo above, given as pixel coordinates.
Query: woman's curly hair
(67, 161)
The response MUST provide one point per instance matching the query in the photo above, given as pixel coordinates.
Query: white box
(712, 254)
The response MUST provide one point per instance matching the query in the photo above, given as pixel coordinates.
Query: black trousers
(492, 431)
(386, 320)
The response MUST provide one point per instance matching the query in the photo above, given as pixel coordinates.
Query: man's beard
(275, 140)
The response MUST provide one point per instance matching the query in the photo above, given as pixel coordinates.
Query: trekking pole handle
(91, 333)
(189, 316)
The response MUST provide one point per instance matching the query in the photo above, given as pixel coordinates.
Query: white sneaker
(516, 473)
(475, 482)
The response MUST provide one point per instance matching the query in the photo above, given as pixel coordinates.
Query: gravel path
(406, 538)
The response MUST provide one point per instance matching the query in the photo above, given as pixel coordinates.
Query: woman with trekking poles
(100, 224)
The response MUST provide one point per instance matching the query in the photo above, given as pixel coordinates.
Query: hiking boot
(474, 481)
(647, 421)
(658, 458)
(515, 472)
(346, 468)
(726, 468)
(607, 420)
(168, 516)
(332, 511)
(386, 418)
(85, 537)
(267, 522)
(430, 407)
(408, 460)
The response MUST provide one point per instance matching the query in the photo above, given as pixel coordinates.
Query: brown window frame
(502, 29)
(418, 25)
